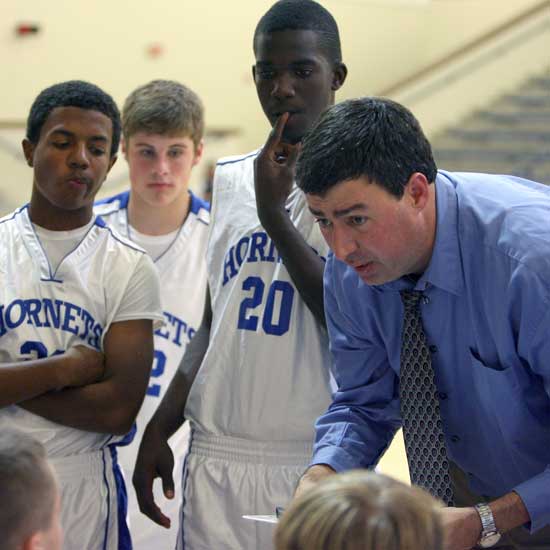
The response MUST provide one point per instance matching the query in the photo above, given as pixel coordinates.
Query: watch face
(489, 540)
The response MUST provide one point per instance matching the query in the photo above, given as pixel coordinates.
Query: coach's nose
(343, 243)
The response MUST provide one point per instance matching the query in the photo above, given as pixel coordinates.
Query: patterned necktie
(422, 426)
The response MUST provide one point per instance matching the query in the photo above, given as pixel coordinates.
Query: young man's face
(292, 74)
(379, 235)
(160, 166)
(71, 159)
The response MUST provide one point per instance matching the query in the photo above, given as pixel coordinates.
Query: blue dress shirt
(486, 315)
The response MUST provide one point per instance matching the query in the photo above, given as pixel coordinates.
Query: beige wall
(208, 46)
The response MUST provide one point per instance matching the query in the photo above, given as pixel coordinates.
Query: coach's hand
(81, 366)
(461, 528)
(155, 459)
(311, 477)
(274, 169)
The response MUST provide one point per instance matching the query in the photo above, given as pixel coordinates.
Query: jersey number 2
(271, 323)
(159, 364)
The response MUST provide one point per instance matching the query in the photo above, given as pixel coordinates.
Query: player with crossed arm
(67, 280)
(262, 346)
(162, 127)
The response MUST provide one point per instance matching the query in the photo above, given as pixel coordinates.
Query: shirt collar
(445, 268)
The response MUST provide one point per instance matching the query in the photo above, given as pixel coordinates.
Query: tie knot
(411, 298)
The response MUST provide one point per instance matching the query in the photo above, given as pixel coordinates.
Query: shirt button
(455, 438)
(425, 300)
(442, 395)
(433, 348)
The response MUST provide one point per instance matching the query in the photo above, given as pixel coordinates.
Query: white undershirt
(57, 244)
(154, 245)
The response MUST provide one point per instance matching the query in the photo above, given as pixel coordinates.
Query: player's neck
(57, 219)
(157, 220)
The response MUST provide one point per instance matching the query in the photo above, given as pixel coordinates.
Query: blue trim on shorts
(185, 476)
(128, 438)
(106, 537)
(124, 537)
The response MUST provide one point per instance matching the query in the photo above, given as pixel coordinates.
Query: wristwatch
(489, 534)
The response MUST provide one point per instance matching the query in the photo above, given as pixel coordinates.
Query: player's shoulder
(234, 171)
(12, 215)
(110, 205)
(8, 221)
(200, 208)
(116, 239)
(236, 161)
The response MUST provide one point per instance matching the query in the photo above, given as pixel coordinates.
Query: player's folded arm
(111, 405)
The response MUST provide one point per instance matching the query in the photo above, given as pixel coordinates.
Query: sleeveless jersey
(265, 375)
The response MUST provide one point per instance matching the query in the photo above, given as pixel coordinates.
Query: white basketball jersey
(265, 375)
(43, 312)
(182, 272)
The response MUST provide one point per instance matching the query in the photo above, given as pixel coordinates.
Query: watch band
(489, 534)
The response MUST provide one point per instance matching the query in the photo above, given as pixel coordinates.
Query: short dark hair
(163, 107)
(73, 93)
(368, 137)
(302, 15)
(27, 487)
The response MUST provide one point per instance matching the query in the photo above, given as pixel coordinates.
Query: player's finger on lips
(277, 132)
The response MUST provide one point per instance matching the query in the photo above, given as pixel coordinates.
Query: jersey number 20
(271, 323)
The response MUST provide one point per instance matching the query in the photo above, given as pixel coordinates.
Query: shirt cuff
(534, 494)
(335, 457)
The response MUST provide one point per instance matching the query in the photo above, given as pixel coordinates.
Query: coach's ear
(28, 151)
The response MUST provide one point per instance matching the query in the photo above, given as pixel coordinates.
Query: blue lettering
(47, 313)
(180, 325)
(10, 322)
(271, 253)
(163, 331)
(53, 316)
(69, 318)
(33, 309)
(96, 339)
(240, 254)
(229, 263)
(257, 247)
(3, 328)
(174, 328)
(88, 323)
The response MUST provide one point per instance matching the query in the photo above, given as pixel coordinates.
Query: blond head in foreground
(361, 510)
